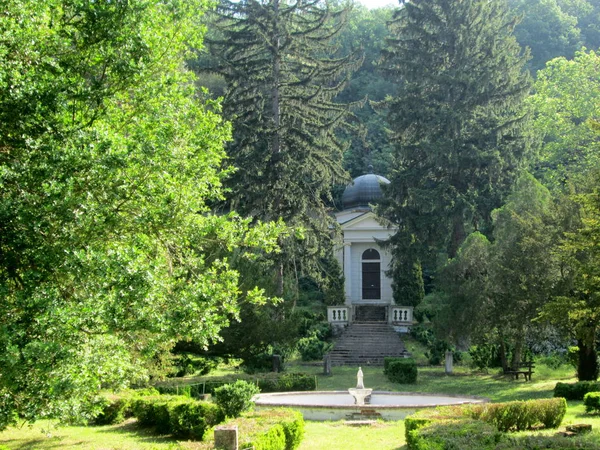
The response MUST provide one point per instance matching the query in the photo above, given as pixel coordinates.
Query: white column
(348, 272)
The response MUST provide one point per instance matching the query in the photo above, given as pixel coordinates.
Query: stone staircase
(367, 344)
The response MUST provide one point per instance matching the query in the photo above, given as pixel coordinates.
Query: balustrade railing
(338, 314)
(401, 314)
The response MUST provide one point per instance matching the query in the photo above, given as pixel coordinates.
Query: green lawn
(321, 435)
(45, 435)
(497, 388)
(337, 435)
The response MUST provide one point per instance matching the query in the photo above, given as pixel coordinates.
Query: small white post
(449, 362)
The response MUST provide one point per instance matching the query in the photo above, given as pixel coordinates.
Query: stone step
(367, 343)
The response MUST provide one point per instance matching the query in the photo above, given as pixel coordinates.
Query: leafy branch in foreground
(108, 251)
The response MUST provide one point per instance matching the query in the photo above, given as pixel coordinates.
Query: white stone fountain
(359, 393)
(338, 405)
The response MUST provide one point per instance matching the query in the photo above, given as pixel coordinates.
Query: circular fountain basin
(337, 405)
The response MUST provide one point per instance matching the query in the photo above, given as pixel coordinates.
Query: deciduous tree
(493, 290)
(108, 251)
(566, 98)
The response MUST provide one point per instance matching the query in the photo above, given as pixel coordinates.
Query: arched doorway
(371, 275)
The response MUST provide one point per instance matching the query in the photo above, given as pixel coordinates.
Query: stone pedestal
(359, 395)
(449, 362)
(226, 437)
(327, 365)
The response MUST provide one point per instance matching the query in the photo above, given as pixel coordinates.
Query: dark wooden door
(371, 281)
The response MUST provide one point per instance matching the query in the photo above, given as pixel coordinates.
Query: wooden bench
(524, 368)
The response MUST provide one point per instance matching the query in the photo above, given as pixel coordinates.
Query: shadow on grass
(140, 433)
(130, 430)
(36, 444)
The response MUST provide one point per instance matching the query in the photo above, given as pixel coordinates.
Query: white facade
(367, 288)
(361, 231)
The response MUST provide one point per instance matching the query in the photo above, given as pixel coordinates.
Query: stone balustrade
(338, 314)
(400, 314)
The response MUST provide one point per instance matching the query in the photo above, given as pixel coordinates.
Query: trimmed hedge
(287, 382)
(521, 415)
(270, 429)
(545, 442)
(454, 434)
(117, 407)
(576, 391)
(273, 438)
(272, 382)
(591, 400)
(177, 415)
(400, 370)
(479, 426)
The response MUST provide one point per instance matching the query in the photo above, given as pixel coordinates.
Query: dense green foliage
(281, 80)
(547, 29)
(458, 121)
(576, 308)
(114, 409)
(112, 168)
(366, 29)
(108, 250)
(541, 263)
(566, 97)
(553, 28)
(459, 434)
(491, 291)
(272, 382)
(235, 398)
(313, 348)
(575, 391)
(400, 370)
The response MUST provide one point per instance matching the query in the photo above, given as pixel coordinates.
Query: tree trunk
(276, 83)
(516, 356)
(458, 235)
(587, 367)
(503, 358)
(280, 280)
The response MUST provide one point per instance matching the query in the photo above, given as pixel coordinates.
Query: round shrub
(190, 419)
(235, 398)
(591, 400)
(400, 370)
(312, 348)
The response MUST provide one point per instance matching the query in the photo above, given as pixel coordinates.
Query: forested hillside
(466, 106)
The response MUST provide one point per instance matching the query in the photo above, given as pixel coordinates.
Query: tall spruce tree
(458, 121)
(281, 83)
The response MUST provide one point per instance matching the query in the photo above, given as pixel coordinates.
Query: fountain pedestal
(359, 395)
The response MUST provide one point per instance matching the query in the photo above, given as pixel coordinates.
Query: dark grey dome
(363, 190)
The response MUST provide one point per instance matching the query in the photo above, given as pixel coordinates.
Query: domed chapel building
(367, 287)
